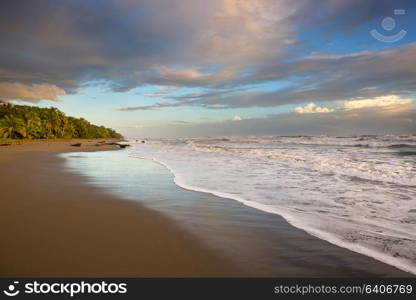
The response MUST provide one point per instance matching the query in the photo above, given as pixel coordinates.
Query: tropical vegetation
(30, 122)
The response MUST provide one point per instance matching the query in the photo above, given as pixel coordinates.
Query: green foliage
(30, 122)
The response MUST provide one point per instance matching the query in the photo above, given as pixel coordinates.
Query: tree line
(31, 122)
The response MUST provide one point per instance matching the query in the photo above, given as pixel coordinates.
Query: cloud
(156, 95)
(182, 122)
(311, 108)
(220, 46)
(236, 118)
(134, 43)
(29, 93)
(326, 77)
(156, 106)
(133, 108)
(389, 101)
(188, 77)
(321, 77)
(338, 123)
(168, 88)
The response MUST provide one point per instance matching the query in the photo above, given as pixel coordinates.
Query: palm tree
(13, 127)
(33, 125)
(19, 121)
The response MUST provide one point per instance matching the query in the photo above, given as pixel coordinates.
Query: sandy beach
(244, 139)
(55, 223)
(52, 224)
(262, 244)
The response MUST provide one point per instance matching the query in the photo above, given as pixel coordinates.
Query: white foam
(369, 217)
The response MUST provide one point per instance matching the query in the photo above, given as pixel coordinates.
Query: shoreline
(260, 243)
(56, 223)
(59, 145)
(353, 248)
(53, 224)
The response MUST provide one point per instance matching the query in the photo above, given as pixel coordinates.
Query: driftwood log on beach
(103, 143)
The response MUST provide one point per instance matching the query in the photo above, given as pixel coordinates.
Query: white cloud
(29, 93)
(156, 95)
(383, 102)
(257, 28)
(237, 118)
(167, 88)
(311, 108)
(388, 101)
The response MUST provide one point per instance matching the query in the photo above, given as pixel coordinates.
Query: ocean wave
(360, 198)
(402, 146)
(349, 241)
(406, 153)
(360, 164)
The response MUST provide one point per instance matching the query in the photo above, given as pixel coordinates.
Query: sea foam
(357, 197)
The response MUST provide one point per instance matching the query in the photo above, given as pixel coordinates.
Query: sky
(156, 68)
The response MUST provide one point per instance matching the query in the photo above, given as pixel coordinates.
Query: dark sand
(53, 224)
(260, 243)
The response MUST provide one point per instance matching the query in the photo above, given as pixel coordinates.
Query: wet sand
(57, 222)
(260, 243)
(52, 224)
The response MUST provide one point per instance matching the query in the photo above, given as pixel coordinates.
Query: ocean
(356, 192)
